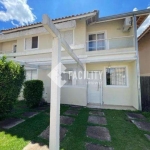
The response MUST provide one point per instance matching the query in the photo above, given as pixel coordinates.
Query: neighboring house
(144, 52)
(105, 45)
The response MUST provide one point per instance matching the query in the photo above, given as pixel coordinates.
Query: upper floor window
(96, 42)
(31, 42)
(116, 76)
(68, 36)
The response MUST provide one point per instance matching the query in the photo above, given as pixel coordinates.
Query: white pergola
(58, 41)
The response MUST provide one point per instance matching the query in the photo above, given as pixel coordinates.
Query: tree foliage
(12, 76)
(33, 90)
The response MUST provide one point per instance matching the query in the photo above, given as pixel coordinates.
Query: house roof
(141, 16)
(57, 20)
(144, 33)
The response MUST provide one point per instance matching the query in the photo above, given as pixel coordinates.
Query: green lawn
(124, 134)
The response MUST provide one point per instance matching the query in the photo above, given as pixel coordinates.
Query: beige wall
(144, 55)
(126, 96)
(74, 95)
(112, 29)
(8, 46)
(80, 32)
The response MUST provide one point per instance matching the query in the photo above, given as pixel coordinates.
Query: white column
(55, 96)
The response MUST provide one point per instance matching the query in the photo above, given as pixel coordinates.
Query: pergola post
(56, 73)
(55, 96)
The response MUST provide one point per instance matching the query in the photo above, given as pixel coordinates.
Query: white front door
(95, 88)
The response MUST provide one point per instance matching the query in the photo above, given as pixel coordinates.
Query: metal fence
(145, 93)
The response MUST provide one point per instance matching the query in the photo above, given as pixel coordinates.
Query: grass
(124, 134)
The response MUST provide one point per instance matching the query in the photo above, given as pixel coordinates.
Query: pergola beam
(71, 53)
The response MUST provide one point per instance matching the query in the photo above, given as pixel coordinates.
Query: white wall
(74, 95)
(42, 75)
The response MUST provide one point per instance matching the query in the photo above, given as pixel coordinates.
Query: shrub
(11, 81)
(33, 90)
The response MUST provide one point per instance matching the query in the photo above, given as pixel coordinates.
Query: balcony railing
(107, 44)
(7, 51)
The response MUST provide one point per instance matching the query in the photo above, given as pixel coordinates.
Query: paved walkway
(97, 130)
(140, 121)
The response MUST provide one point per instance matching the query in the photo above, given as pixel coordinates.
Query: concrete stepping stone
(142, 125)
(66, 120)
(36, 146)
(11, 122)
(96, 112)
(42, 108)
(90, 146)
(97, 132)
(97, 120)
(29, 114)
(147, 136)
(135, 116)
(75, 107)
(72, 112)
(45, 133)
(95, 109)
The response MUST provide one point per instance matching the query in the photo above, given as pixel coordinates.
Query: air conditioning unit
(127, 24)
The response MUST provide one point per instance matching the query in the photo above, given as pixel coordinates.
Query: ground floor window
(31, 74)
(116, 76)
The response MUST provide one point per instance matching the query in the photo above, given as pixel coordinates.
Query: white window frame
(31, 72)
(97, 32)
(127, 77)
(31, 48)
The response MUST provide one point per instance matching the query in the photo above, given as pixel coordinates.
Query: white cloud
(135, 9)
(17, 10)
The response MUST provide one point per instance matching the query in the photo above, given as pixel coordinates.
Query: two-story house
(107, 45)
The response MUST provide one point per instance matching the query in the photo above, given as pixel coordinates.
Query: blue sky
(20, 12)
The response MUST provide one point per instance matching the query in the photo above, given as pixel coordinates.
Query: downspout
(137, 63)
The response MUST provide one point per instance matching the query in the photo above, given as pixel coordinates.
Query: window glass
(100, 36)
(92, 37)
(116, 76)
(96, 42)
(35, 42)
(31, 43)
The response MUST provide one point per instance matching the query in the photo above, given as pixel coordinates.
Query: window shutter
(28, 42)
